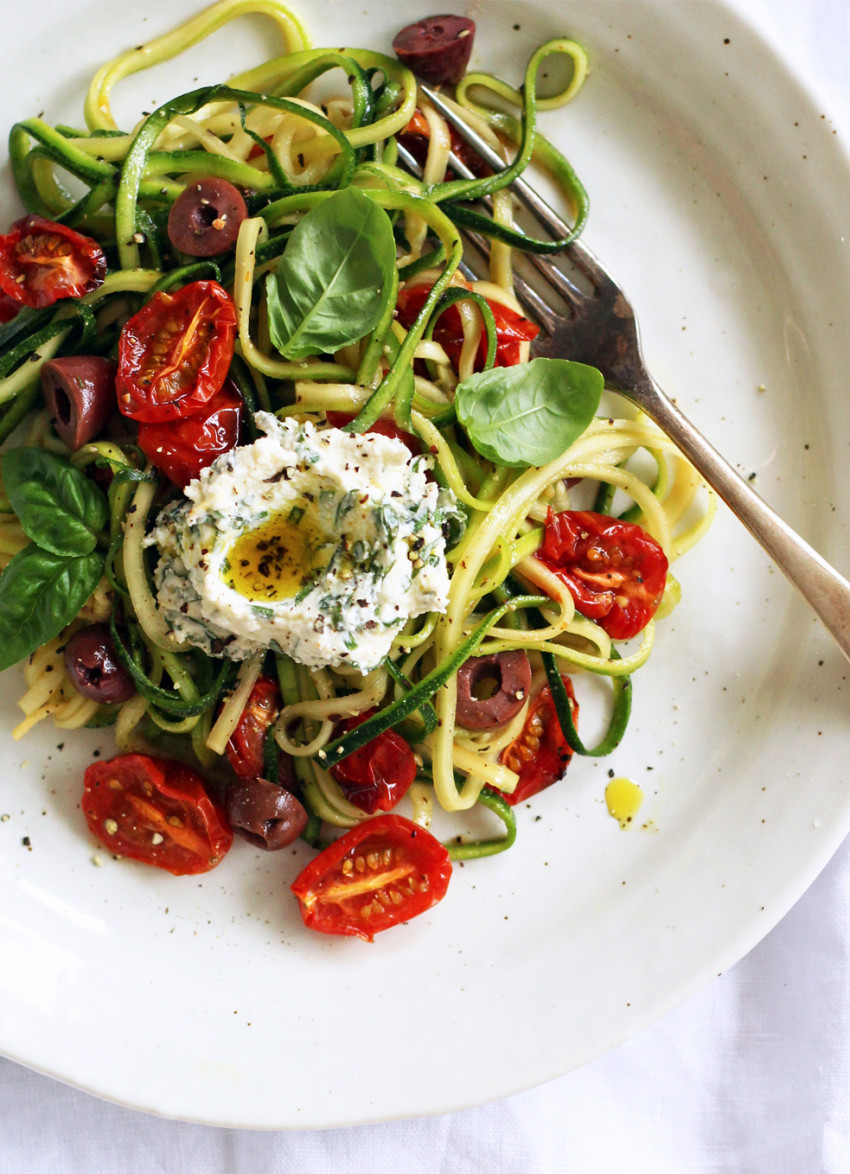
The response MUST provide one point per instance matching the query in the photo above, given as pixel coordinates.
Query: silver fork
(602, 330)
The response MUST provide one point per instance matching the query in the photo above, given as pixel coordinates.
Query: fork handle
(826, 592)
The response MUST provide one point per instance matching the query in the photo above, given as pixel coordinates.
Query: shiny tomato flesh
(246, 748)
(379, 774)
(541, 753)
(379, 873)
(174, 354)
(383, 427)
(615, 571)
(182, 448)
(41, 262)
(157, 811)
(512, 330)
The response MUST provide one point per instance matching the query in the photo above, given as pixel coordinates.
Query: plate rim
(830, 841)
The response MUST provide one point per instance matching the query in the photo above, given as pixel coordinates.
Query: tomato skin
(174, 354)
(383, 427)
(245, 750)
(415, 137)
(377, 776)
(401, 863)
(541, 753)
(257, 151)
(182, 448)
(512, 330)
(131, 802)
(42, 262)
(615, 571)
(9, 308)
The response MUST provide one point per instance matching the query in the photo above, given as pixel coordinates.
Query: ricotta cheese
(310, 541)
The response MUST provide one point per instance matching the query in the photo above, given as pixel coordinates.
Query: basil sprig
(528, 414)
(59, 508)
(334, 277)
(46, 584)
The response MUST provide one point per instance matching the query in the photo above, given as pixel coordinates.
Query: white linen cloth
(750, 1076)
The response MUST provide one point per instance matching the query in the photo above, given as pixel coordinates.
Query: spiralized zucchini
(290, 133)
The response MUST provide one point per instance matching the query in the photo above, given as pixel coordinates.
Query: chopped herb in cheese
(310, 541)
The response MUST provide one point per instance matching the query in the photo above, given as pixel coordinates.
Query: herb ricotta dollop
(311, 541)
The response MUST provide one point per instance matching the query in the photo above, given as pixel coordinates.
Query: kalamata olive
(79, 391)
(492, 689)
(93, 668)
(437, 48)
(286, 775)
(266, 815)
(204, 219)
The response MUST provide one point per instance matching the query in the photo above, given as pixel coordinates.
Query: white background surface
(752, 1074)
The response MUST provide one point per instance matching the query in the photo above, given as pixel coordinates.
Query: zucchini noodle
(292, 134)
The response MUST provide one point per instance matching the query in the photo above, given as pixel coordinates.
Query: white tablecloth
(751, 1075)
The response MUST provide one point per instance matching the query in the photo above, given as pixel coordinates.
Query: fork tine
(555, 276)
(581, 256)
(604, 333)
(527, 296)
(414, 167)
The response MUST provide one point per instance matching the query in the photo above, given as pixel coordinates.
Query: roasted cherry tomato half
(541, 753)
(415, 137)
(379, 873)
(41, 262)
(384, 427)
(245, 750)
(9, 308)
(156, 810)
(174, 354)
(257, 151)
(615, 571)
(512, 330)
(182, 448)
(378, 775)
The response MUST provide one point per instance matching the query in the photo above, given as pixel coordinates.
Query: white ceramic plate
(718, 195)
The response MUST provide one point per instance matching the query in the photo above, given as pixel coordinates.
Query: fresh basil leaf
(40, 593)
(528, 414)
(58, 506)
(333, 279)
